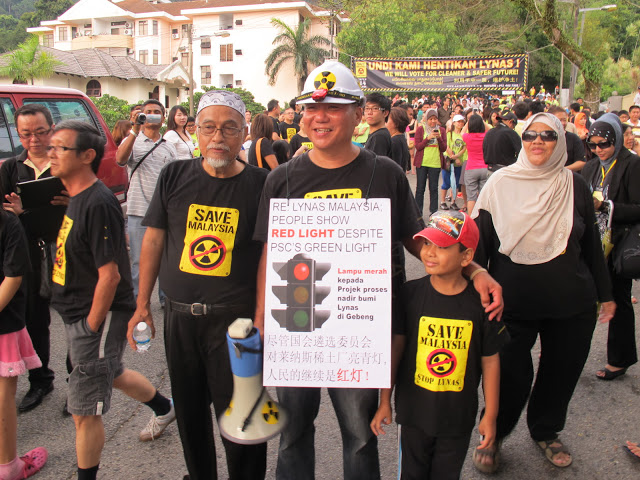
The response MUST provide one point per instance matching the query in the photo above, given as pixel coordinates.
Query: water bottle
(142, 336)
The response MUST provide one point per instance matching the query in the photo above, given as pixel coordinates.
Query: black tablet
(39, 193)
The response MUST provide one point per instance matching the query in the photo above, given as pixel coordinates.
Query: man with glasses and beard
(198, 239)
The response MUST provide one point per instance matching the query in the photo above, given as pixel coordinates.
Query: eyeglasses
(60, 148)
(227, 132)
(545, 136)
(39, 134)
(373, 109)
(601, 145)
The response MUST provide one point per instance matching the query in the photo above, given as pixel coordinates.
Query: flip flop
(551, 452)
(610, 374)
(493, 453)
(633, 455)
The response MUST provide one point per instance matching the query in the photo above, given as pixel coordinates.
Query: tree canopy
(28, 62)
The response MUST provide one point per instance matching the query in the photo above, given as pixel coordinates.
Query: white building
(230, 39)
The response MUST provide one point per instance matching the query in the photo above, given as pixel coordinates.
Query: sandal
(493, 453)
(610, 374)
(631, 453)
(463, 209)
(551, 451)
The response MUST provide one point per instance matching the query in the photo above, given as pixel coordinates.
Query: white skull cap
(224, 98)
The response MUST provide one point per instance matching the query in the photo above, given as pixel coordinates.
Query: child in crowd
(442, 343)
(16, 350)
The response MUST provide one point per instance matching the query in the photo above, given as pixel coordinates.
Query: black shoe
(34, 397)
(444, 206)
(454, 206)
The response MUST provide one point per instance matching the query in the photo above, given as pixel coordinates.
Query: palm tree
(28, 62)
(296, 46)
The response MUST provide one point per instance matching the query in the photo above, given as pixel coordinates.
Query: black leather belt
(494, 167)
(199, 309)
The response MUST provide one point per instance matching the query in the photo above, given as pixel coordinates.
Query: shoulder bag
(259, 153)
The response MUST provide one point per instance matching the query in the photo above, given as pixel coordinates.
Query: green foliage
(295, 46)
(112, 109)
(247, 97)
(28, 62)
(620, 76)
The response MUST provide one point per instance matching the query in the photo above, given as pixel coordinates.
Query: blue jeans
(433, 174)
(136, 234)
(354, 408)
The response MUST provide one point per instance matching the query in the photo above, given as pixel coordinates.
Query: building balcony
(102, 41)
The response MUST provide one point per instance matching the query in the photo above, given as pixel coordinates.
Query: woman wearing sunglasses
(539, 240)
(614, 175)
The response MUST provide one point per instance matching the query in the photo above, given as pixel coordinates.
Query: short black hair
(380, 100)
(153, 101)
(191, 119)
(33, 109)
(292, 103)
(272, 104)
(133, 107)
(521, 109)
(622, 112)
(88, 137)
(536, 107)
(575, 107)
(633, 107)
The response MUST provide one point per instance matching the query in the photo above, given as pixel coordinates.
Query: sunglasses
(545, 136)
(601, 145)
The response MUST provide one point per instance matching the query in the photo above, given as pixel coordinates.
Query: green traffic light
(301, 318)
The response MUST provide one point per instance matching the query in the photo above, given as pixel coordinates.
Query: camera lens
(142, 118)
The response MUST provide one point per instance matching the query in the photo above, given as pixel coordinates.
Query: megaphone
(252, 415)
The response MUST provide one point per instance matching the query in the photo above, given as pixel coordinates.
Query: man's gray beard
(218, 163)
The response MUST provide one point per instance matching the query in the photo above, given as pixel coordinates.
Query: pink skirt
(17, 354)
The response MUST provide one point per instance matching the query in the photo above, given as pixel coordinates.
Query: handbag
(46, 268)
(258, 153)
(626, 253)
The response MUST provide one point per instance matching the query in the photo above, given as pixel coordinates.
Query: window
(143, 56)
(74, 32)
(185, 31)
(155, 27)
(47, 40)
(155, 57)
(238, 83)
(205, 46)
(205, 71)
(8, 129)
(63, 34)
(226, 53)
(62, 109)
(142, 27)
(184, 58)
(94, 89)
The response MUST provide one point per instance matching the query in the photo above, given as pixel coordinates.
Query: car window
(8, 131)
(65, 109)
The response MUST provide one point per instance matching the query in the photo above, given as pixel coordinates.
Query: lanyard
(604, 175)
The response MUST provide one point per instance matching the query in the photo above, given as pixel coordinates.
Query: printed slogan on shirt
(60, 265)
(209, 240)
(443, 348)
(337, 193)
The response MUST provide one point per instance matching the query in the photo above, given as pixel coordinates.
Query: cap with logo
(457, 118)
(448, 228)
(331, 82)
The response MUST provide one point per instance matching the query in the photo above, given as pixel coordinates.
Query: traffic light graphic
(301, 294)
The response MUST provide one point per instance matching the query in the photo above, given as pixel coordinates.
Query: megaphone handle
(247, 420)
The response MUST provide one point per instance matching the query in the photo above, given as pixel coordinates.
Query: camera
(150, 118)
(141, 118)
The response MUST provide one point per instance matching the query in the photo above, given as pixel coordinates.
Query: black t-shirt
(400, 151)
(566, 286)
(575, 149)
(209, 256)
(276, 124)
(91, 235)
(297, 141)
(266, 148)
(501, 146)
(379, 142)
(15, 263)
(288, 130)
(441, 367)
(387, 180)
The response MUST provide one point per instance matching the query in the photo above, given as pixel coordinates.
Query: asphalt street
(601, 417)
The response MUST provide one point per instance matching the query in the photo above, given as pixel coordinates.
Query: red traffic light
(301, 271)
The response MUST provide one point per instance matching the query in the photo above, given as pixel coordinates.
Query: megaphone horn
(252, 415)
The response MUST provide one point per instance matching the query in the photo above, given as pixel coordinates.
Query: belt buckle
(198, 309)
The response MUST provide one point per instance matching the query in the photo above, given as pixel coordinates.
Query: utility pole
(191, 86)
(574, 68)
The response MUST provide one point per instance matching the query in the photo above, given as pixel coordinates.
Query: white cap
(457, 118)
(331, 82)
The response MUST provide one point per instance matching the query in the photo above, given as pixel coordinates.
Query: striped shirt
(143, 183)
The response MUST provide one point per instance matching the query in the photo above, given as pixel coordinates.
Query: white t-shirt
(184, 148)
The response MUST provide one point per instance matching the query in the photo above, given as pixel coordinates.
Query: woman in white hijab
(539, 240)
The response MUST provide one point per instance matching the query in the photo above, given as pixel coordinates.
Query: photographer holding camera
(144, 152)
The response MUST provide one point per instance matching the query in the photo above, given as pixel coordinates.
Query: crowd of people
(521, 193)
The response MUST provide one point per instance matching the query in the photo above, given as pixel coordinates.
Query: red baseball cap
(446, 228)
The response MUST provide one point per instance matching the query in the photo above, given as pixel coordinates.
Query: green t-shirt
(455, 143)
(431, 156)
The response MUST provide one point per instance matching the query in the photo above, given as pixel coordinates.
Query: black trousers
(621, 344)
(431, 458)
(38, 320)
(200, 372)
(565, 347)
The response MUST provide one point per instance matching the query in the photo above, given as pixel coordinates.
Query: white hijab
(532, 206)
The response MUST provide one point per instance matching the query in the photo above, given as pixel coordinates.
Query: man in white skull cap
(199, 227)
(333, 104)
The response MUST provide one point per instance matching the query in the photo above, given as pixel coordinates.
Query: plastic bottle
(142, 336)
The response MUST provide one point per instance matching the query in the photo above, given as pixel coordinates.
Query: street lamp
(574, 68)
(191, 86)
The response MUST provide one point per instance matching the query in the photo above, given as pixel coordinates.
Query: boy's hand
(382, 416)
(487, 428)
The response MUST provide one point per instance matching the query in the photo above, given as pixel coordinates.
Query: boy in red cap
(450, 344)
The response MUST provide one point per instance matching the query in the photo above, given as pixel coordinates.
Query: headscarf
(581, 129)
(609, 127)
(532, 206)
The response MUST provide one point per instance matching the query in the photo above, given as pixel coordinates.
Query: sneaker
(448, 198)
(444, 206)
(454, 206)
(156, 425)
(33, 462)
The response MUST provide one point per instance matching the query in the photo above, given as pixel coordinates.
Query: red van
(64, 104)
